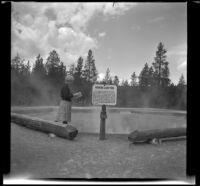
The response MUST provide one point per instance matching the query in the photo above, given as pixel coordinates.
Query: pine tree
(181, 93)
(28, 69)
(25, 70)
(94, 73)
(20, 81)
(160, 65)
(151, 77)
(144, 76)
(181, 81)
(116, 81)
(53, 68)
(78, 68)
(133, 79)
(53, 60)
(90, 71)
(39, 70)
(165, 79)
(125, 83)
(15, 62)
(77, 74)
(16, 65)
(62, 72)
(107, 79)
(71, 69)
(19, 69)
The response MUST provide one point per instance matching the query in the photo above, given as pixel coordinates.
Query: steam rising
(121, 121)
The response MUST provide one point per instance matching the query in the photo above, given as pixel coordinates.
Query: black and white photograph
(98, 91)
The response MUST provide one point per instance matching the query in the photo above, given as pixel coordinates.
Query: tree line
(41, 85)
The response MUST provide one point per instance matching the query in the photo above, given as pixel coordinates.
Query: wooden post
(103, 117)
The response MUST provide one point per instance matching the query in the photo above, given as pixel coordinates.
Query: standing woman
(64, 111)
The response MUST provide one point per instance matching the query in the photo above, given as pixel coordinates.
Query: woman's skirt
(64, 111)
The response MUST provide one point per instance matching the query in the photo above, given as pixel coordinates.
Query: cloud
(50, 13)
(178, 50)
(109, 57)
(101, 76)
(179, 53)
(135, 27)
(118, 9)
(41, 27)
(156, 19)
(102, 34)
(182, 65)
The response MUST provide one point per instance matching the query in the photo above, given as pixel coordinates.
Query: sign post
(103, 117)
(103, 95)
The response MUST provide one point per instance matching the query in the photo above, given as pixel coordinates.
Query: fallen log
(68, 132)
(148, 135)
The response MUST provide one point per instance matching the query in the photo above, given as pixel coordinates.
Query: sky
(122, 37)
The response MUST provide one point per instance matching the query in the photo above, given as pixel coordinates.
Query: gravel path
(34, 154)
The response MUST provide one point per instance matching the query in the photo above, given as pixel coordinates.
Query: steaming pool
(35, 155)
(119, 121)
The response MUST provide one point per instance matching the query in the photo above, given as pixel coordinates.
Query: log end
(72, 131)
(133, 135)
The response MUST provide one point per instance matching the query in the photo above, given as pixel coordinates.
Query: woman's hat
(69, 78)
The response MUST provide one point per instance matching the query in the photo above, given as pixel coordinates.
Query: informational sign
(104, 94)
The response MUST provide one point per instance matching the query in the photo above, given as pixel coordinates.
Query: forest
(41, 84)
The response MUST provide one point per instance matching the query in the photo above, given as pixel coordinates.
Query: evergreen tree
(15, 62)
(90, 71)
(151, 77)
(53, 61)
(16, 65)
(62, 72)
(107, 79)
(54, 78)
(144, 76)
(19, 69)
(166, 81)
(39, 70)
(181, 93)
(79, 68)
(133, 79)
(116, 81)
(28, 69)
(53, 68)
(160, 65)
(125, 83)
(25, 70)
(20, 81)
(181, 81)
(94, 73)
(72, 69)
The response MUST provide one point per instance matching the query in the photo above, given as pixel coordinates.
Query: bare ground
(35, 155)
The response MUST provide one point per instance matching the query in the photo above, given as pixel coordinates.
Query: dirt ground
(35, 155)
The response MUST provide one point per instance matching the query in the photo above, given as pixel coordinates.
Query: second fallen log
(146, 135)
